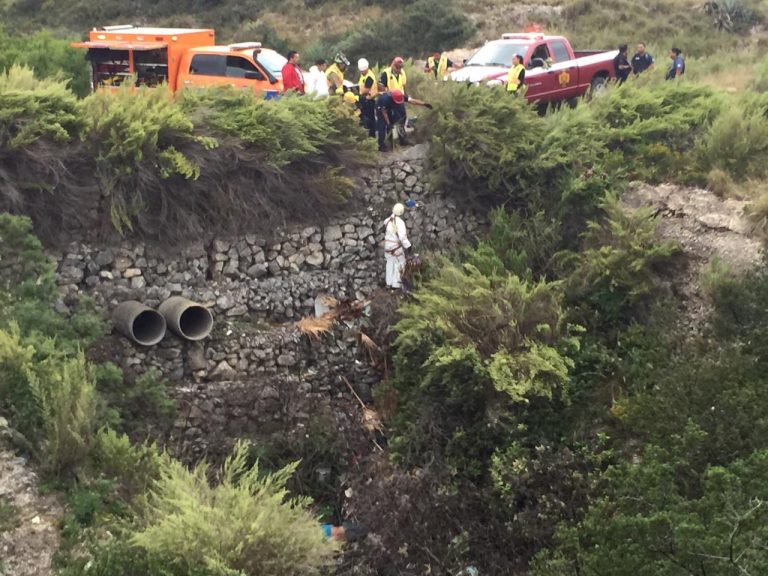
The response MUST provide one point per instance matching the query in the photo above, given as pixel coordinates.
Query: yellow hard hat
(350, 97)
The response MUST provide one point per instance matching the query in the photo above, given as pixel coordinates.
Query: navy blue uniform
(641, 62)
(396, 113)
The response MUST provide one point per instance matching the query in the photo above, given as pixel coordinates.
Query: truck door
(540, 82)
(565, 71)
(243, 73)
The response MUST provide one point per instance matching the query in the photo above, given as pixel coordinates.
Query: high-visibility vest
(330, 71)
(513, 78)
(442, 65)
(395, 82)
(374, 88)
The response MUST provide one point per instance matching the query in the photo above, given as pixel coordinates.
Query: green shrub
(737, 142)
(131, 131)
(136, 408)
(246, 523)
(48, 56)
(28, 291)
(32, 109)
(472, 352)
(131, 467)
(483, 144)
(423, 26)
(520, 245)
(52, 401)
(616, 272)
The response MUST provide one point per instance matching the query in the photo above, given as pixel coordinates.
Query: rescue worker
(621, 65)
(335, 74)
(641, 61)
(516, 76)
(316, 82)
(438, 64)
(293, 78)
(395, 244)
(678, 64)
(368, 91)
(390, 111)
(394, 77)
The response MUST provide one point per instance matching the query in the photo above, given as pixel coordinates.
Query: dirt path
(29, 535)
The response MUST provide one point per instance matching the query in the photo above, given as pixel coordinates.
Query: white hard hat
(398, 209)
(362, 65)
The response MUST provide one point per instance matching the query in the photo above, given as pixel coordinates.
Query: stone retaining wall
(257, 376)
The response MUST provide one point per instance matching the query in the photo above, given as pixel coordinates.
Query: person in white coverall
(395, 244)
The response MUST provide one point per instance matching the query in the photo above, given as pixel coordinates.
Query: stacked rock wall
(257, 375)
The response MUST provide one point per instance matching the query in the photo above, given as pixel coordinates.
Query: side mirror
(253, 76)
(536, 63)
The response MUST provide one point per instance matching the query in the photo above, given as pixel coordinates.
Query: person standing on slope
(395, 244)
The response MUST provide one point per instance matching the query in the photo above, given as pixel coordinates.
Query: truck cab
(554, 71)
(246, 66)
(179, 58)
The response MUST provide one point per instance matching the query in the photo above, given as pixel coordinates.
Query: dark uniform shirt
(621, 67)
(677, 69)
(641, 62)
(386, 102)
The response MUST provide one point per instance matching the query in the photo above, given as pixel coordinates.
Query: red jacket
(293, 79)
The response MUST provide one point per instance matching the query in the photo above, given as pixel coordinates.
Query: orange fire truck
(179, 57)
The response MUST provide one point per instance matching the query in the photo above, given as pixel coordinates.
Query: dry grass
(316, 327)
(303, 25)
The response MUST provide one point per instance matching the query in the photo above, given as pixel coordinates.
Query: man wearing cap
(395, 244)
(335, 74)
(390, 110)
(394, 77)
(368, 91)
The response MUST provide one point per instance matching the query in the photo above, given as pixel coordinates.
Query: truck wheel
(598, 85)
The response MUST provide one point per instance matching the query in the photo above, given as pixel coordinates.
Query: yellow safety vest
(442, 65)
(395, 82)
(374, 89)
(334, 69)
(513, 78)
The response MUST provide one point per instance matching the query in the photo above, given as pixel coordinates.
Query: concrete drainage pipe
(139, 323)
(190, 320)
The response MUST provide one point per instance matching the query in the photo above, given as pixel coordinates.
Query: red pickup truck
(554, 71)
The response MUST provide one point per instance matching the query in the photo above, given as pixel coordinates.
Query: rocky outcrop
(706, 227)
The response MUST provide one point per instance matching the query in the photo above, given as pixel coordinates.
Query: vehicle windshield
(272, 61)
(497, 54)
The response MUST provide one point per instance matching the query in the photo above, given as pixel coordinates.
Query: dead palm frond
(315, 327)
(368, 342)
(370, 420)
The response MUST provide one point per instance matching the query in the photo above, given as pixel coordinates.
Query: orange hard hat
(397, 96)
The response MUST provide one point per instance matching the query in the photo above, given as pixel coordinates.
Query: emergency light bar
(245, 46)
(522, 36)
(117, 28)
